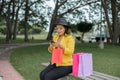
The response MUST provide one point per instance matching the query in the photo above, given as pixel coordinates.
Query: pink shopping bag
(75, 64)
(57, 56)
(82, 65)
(85, 65)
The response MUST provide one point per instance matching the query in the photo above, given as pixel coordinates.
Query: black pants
(51, 72)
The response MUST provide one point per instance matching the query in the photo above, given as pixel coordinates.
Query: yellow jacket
(68, 42)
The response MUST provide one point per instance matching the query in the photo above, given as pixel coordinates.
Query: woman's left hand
(57, 44)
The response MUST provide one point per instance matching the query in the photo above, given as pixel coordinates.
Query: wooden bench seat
(1, 77)
(94, 76)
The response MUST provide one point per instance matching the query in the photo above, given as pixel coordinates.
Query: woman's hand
(51, 46)
(56, 44)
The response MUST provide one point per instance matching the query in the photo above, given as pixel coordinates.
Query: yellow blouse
(68, 42)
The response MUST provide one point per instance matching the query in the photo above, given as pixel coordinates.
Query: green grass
(19, 40)
(37, 38)
(28, 60)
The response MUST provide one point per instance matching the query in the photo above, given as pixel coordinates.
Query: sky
(51, 3)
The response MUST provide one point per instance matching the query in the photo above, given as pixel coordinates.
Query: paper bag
(57, 56)
(85, 65)
(82, 65)
(75, 64)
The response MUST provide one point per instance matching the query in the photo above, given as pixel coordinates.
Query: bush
(84, 27)
(33, 30)
(3, 29)
(21, 31)
(36, 30)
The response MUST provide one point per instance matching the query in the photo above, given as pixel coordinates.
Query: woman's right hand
(52, 45)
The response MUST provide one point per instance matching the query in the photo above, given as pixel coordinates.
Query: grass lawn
(28, 60)
(35, 38)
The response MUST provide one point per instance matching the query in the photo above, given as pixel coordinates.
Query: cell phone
(52, 41)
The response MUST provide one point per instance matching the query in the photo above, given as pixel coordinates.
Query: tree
(9, 20)
(1, 7)
(28, 8)
(9, 14)
(69, 7)
(84, 27)
(111, 8)
(26, 20)
(18, 6)
(15, 11)
(73, 28)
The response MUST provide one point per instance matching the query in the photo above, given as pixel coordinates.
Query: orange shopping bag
(57, 56)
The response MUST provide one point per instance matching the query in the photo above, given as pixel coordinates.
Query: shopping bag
(75, 63)
(82, 65)
(85, 65)
(57, 56)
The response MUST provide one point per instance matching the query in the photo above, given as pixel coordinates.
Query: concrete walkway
(7, 71)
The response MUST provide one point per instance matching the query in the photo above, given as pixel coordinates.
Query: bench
(1, 77)
(94, 76)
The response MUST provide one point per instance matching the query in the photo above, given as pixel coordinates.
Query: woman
(64, 40)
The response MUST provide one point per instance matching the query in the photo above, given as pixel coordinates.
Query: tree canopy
(84, 27)
(40, 13)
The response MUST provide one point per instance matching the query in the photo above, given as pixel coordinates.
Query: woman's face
(60, 30)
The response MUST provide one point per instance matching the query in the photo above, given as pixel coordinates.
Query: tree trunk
(107, 18)
(1, 7)
(114, 20)
(8, 24)
(113, 29)
(26, 21)
(53, 21)
(82, 37)
(13, 16)
(16, 20)
(119, 30)
(8, 30)
(52, 26)
(15, 27)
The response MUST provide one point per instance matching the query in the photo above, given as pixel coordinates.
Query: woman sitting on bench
(65, 41)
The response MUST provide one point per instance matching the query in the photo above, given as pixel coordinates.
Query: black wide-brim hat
(62, 21)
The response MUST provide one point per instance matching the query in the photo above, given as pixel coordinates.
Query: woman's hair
(67, 29)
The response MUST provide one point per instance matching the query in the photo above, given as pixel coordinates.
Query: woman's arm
(70, 45)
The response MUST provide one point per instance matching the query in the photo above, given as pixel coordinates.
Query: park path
(7, 71)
